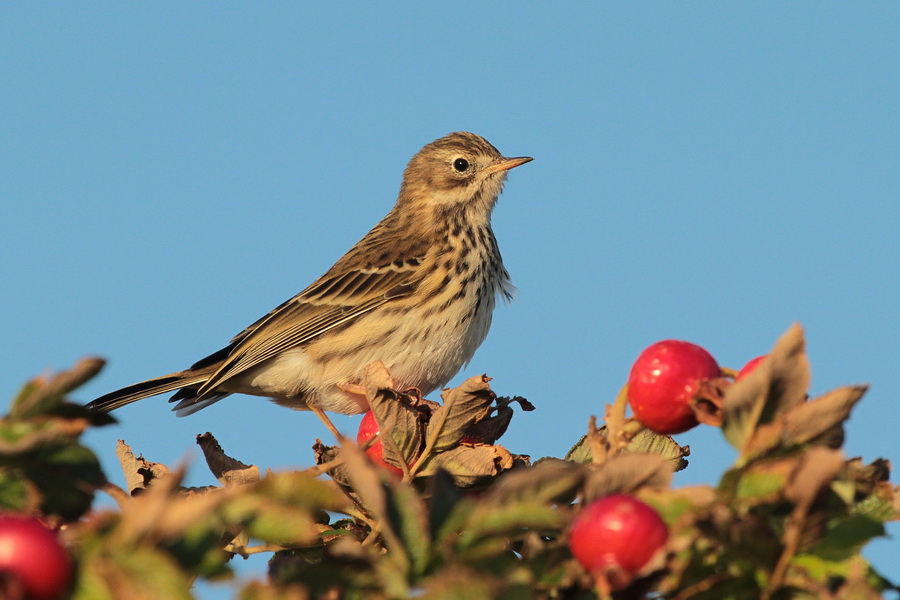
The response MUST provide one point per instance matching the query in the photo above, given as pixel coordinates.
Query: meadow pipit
(415, 293)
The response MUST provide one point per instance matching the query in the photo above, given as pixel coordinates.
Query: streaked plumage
(417, 293)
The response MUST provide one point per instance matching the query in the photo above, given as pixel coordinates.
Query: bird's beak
(505, 164)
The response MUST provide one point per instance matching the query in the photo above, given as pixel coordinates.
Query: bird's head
(459, 172)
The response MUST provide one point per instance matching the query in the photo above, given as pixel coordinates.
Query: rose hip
(368, 429)
(666, 380)
(617, 536)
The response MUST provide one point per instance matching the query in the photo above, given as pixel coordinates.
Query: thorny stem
(729, 373)
(326, 466)
(791, 543)
(374, 533)
(616, 436)
(602, 586)
(599, 446)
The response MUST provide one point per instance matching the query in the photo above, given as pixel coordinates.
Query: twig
(702, 586)
(245, 551)
(116, 493)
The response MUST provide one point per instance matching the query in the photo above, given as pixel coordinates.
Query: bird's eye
(461, 165)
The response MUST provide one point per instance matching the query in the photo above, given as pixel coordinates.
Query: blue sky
(704, 171)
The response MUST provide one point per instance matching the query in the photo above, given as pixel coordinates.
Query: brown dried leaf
(627, 473)
(817, 467)
(857, 585)
(186, 510)
(365, 479)
(616, 438)
(819, 421)
(869, 478)
(397, 419)
(227, 470)
(790, 371)
(139, 472)
(707, 403)
(330, 454)
(814, 420)
(490, 429)
(46, 392)
(469, 464)
(142, 514)
(776, 385)
(644, 441)
(463, 406)
(376, 495)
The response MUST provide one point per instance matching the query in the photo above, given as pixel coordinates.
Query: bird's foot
(354, 389)
(414, 393)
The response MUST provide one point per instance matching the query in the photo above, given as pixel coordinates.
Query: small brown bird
(416, 293)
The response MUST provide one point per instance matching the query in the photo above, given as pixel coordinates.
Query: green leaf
(551, 482)
(644, 442)
(875, 507)
(344, 568)
(199, 549)
(300, 489)
(407, 517)
(66, 478)
(134, 573)
(443, 498)
(149, 573)
(488, 521)
(761, 484)
(457, 583)
(844, 539)
(16, 494)
(581, 451)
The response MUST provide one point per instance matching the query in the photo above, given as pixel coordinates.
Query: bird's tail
(151, 387)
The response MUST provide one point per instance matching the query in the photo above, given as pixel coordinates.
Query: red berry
(368, 429)
(617, 532)
(664, 382)
(31, 554)
(752, 364)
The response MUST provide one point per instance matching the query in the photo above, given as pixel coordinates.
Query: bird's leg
(327, 421)
(355, 389)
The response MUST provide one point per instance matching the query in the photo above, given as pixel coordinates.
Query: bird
(416, 293)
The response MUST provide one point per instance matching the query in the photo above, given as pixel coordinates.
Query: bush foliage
(469, 518)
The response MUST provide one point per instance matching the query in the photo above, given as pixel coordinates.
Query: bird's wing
(377, 270)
